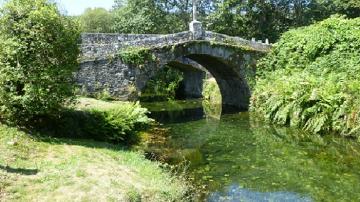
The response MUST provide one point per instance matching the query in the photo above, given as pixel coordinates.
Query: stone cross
(194, 9)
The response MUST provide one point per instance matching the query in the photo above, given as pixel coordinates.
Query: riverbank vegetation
(115, 122)
(66, 158)
(53, 145)
(38, 168)
(38, 55)
(163, 85)
(311, 79)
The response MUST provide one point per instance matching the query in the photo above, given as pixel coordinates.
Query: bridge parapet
(159, 41)
(104, 45)
(107, 38)
(236, 41)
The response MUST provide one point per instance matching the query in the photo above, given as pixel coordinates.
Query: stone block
(196, 29)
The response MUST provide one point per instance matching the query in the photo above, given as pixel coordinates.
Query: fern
(311, 79)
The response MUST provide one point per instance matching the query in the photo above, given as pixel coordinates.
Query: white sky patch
(77, 7)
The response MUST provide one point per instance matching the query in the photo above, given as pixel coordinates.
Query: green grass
(38, 168)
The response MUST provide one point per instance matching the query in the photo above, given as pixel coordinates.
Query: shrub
(38, 53)
(311, 79)
(104, 95)
(163, 85)
(137, 56)
(118, 124)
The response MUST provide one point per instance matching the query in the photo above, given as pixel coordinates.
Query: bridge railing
(162, 40)
(102, 45)
(107, 38)
(231, 40)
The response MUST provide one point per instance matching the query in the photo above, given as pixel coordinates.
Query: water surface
(236, 157)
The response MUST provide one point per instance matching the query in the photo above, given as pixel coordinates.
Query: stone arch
(232, 67)
(190, 87)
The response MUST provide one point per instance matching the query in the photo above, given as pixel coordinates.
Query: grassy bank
(38, 168)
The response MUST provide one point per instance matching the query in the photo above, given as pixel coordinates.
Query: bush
(118, 124)
(311, 79)
(38, 54)
(163, 85)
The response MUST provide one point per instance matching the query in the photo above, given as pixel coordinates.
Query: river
(236, 157)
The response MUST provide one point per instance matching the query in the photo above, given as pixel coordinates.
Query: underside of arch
(234, 89)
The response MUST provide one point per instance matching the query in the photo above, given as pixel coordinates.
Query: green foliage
(311, 79)
(104, 95)
(38, 54)
(163, 85)
(254, 18)
(269, 19)
(118, 124)
(142, 17)
(97, 20)
(137, 56)
(157, 16)
(211, 91)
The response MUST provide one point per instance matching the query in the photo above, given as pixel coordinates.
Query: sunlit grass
(38, 168)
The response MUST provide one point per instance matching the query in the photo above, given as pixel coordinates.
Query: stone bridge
(123, 63)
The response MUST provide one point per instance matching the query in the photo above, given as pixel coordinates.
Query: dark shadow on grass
(89, 128)
(21, 171)
(83, 141)
(84, 128)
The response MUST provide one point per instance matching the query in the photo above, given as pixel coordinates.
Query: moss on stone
(137, 55)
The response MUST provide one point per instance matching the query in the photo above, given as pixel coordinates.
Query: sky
(77, 7)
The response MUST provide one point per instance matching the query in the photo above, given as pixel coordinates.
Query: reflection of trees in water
(267, 159)
(241, 149)
(212, 110)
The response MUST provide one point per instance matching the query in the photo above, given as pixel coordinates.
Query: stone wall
(112, 76)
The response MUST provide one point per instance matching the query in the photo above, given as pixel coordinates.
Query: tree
(269, 18)
(140, 17)
(157, 16)
(38, 54)
(97, 20)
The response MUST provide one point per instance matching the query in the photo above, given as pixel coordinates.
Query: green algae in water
(238, 158)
